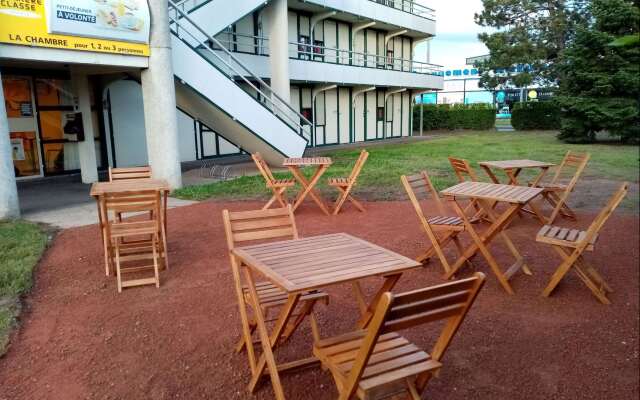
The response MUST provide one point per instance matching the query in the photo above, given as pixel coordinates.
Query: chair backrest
(141, 201)
(571, 166)
(606, 212)
(362, 158)
(263, 167)
(463, 169)
(449, 301)
(117, 174)
(419, 187)
(245, 226)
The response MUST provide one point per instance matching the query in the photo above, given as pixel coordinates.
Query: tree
(600, 88)
(529, 32)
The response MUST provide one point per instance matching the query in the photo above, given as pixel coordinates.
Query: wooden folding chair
(148, 236)
(278, 186)
(463, 169)
(378, 363)
(465, 173)
(450, 227)
(248, 226)
(556, 192)
(118, 174)
(570, 244)
(345, 185)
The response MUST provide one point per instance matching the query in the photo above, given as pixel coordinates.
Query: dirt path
(81, 340)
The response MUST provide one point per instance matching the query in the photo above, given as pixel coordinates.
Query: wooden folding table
(486, 195)
(99, 189)
(321, 164)
(512, 169)
(297, 266)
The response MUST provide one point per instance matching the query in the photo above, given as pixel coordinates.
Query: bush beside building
(536, 116)
(456, 116)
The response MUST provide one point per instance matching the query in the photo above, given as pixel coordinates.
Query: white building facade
(272, 76)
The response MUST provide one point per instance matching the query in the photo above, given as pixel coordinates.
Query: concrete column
(159, 97)
(9, 207)
(86, 148)
(279, 48)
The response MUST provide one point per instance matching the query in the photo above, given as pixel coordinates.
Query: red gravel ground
(80, 339)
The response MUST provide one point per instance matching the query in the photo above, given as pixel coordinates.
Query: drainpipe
(357, 28)
(413, 97)
(317, 18)
(9, 207)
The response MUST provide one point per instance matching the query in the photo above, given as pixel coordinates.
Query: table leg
(511, 246)
(480, 242)
(106, 245)
(308, 186)
(389, 283)
(490, 173)
(543, 172)
(512, 174)
(269, 342)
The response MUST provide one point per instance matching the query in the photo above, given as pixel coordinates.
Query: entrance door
(18, 95)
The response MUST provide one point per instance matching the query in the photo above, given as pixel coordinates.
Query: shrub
(544, 115)
(456, 116)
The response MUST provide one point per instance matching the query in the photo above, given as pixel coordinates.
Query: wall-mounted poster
(122, 20)
(17, 149)
(107, 26)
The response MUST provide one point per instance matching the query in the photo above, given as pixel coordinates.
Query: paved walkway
(63, 202)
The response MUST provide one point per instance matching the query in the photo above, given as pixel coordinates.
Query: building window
(390, 58)
(380, 114)
(304, 48)
(318, 50)
(306, 112)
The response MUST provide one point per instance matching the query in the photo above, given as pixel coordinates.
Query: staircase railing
(181, 24)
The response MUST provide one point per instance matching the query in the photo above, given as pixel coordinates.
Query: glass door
(18, 97)
(54, 100)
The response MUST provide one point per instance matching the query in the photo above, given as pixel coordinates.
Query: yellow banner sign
(24, 22)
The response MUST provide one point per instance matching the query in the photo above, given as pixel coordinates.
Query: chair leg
(356, 203)
(340, 200)
(154, 245)
(241, 342)
(118, 272)
(597, 291)
(595, 275)
(413, 392)
(306, 309)
(561, 271)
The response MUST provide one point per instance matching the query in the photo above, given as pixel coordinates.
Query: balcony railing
(410, 6)
(259, 45)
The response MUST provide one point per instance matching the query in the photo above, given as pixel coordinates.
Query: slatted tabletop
(306, 161)
(493, 191)
(515, 164)
(132, 185)
(320, 261)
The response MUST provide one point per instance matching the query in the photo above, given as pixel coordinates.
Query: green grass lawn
(21, 245)
(380, 177)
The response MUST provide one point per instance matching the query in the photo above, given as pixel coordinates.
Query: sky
(456, 32)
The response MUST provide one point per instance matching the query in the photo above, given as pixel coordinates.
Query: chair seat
(552, 187)
(339, 182)
(123, 229)
(446, 221)
(566, 237)
(394, 358)
(282, 182)
(272, 296)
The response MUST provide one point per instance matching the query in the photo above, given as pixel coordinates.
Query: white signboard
(17, 149)
(118, 20)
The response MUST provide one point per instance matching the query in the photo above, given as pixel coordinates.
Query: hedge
(536, 115)
(456, 116)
